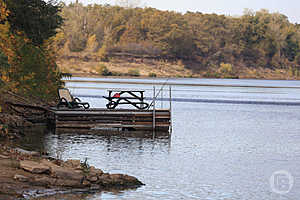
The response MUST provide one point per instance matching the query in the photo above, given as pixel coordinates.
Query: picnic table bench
(130, 97)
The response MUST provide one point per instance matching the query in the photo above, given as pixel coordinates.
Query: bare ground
(121, 66)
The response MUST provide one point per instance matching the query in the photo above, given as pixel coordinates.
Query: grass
(159, 68)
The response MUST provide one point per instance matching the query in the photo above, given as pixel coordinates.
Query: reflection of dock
(158, 121)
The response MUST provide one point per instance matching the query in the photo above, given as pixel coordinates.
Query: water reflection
(66, 146)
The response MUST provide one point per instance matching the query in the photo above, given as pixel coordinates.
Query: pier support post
(154, 102)
(170, 92)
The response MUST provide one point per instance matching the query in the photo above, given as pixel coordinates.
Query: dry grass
(79, 63)
(122, 66)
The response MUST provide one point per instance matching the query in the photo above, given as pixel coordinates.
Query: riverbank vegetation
(254, 45)
(28, 71)
(27, 59)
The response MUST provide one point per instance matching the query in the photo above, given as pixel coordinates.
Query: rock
(66, 173)
(34, 167)
(75, 164)
(49, 163)
(118, 180)
(44, 181)
(124, 180)
(95, 187)
(86, 183)
(132, 181)
(21, 178)
(69, 183)
(25, 152)
(63, 172)
(96, 172)
(4, 157)
(92, 179)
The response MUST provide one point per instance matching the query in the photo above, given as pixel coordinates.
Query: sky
(290, 8)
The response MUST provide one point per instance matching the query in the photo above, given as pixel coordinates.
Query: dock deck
(118, 119)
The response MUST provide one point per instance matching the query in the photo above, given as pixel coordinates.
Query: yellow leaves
(28, 76)
(92, 43)
(5, 78)
(4, 12)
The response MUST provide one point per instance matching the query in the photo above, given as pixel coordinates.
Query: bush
(225, 68)
(78, 42)
(104, 71)
(152, 74)
(133, 72)
(103, 53)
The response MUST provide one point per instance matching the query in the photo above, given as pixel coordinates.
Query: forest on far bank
(255, 40)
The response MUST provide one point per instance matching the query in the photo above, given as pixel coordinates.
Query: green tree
(38, 19)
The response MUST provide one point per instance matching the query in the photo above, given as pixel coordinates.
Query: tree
(38, 19)
(27, 60)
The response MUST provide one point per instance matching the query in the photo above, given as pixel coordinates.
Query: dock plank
(103, 118)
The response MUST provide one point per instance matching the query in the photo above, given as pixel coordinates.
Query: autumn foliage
(27, 63)
(255, 40)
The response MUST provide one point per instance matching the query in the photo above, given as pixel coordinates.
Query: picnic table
(130, 97)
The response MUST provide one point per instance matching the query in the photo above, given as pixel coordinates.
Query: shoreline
(94, 75)
(167, 82)
(22, 172)
(27, 174)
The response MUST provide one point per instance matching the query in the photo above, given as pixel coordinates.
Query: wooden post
(170, 92)
(161, 100)
(154, 99)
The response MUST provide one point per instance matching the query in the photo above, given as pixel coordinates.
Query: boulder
(34, 167)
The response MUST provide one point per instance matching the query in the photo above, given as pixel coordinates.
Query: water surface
(219, 149)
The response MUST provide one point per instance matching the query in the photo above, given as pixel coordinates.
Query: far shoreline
(168, 81)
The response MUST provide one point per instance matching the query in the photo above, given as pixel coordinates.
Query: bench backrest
(65, 93)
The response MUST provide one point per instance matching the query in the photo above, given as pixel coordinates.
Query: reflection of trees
(34, 139)
(62, 145)
(136, 144)
(55, 145)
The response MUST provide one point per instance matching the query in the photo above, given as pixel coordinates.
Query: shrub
(78, 42)
(133, 72)
(103, 53)
(104, 71)
(152, 74)
(225, 68)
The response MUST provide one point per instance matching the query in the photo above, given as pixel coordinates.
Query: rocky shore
(25, 175)
(30, 175)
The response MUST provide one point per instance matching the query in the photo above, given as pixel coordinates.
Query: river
(232, 139)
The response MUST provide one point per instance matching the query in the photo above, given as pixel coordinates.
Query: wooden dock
(119, 120)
